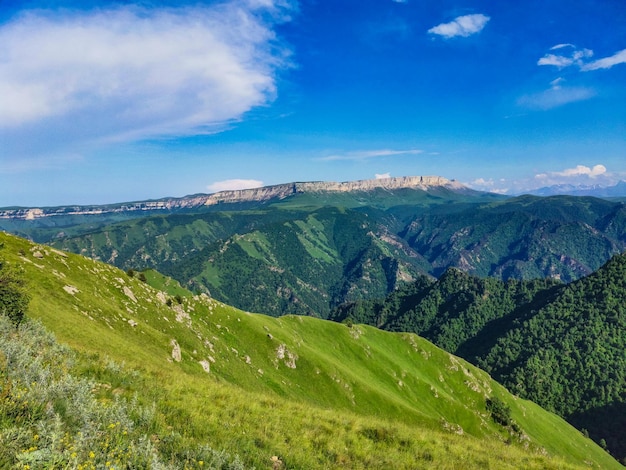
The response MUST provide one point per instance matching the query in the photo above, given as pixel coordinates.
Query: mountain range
(616, 191)
(312, 248)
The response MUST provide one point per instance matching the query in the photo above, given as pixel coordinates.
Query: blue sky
(105, 102)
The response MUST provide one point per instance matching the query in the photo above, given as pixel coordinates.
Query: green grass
(166, 284)
(311, 393)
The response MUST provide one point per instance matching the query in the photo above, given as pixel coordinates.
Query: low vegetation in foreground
(150, 379)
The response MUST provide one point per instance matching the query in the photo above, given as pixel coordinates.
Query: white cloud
(576, 57)
(555, 60)
(561, 46)
(382, 176)
(463, 26)
(482, 182)
(489, 185)
(132, 73)
(233, 185)
(581, 170)
(367, 154)
(578, 175)
(607, 62)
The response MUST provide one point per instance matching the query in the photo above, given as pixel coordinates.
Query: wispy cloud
(561, 46)
(233, 185)
(463, 26)
(579, 58)
(562, 56)
(382, 176)
(607, 62)
(557, 95)
(132, 73)
(368, 154)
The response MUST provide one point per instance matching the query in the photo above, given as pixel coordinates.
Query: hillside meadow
(199, 379)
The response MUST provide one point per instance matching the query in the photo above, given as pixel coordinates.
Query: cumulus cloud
(483, 182)
(233, 185)
(578, 175)
(463, 26)
(132, 72)
(368, 154)
(581, 170)
(607, 62)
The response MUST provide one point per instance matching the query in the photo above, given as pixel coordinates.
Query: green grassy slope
(313, 393)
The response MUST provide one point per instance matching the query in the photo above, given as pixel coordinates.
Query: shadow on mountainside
(605, 422)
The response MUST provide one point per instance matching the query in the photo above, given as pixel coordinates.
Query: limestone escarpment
(265, 193)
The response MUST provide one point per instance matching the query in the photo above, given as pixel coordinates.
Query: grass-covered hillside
(193, 377)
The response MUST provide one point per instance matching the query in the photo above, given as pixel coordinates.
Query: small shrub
(130, 273)
(142, 277)
(14, 298)
(500, 411)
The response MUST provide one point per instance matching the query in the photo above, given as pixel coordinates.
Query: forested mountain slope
(292, 392)
(562, 346)
(310, 252)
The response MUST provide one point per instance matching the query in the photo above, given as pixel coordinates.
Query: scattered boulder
(70, 289)
(176, 353)
(129, 294)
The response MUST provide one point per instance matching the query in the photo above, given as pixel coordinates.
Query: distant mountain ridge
(261, 194)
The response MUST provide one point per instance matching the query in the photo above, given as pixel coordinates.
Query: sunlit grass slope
(290, 392)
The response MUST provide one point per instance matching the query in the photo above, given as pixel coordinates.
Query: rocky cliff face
(266, 193)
